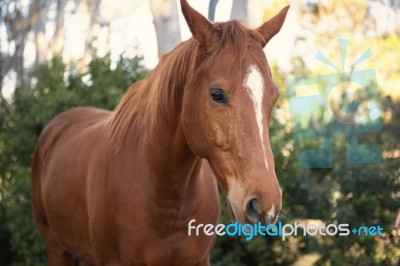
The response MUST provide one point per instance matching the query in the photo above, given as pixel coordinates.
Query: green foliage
(24, 240)
(55, 89)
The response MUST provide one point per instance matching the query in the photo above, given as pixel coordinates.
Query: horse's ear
(199, 26)
(273, 25)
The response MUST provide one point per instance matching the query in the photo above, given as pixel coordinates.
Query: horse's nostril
(253, 210)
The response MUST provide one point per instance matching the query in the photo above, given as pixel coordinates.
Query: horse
(119, 188)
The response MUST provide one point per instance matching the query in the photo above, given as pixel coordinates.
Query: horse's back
(68, 127)
(59, 169)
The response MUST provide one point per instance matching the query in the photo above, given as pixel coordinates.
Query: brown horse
(119, 188)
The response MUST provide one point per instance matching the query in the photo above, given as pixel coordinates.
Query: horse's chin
(235, 217)
(231, 213)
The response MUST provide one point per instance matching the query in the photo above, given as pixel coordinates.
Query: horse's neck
(163, 140)
(168, 150)
(174, 165)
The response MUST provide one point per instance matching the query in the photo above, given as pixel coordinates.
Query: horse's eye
(218, 96)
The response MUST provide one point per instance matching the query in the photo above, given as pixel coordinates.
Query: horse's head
(227, 109)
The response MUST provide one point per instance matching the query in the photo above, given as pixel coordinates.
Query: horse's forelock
(233, 38)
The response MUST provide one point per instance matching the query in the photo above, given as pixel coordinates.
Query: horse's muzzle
(254, 214)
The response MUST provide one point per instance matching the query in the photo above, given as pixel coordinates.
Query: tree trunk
(94, 10)
(250, 12)
(239, 10)
(255, 13)
(18, 26)
(211, 10)
(166, 22)
(39, 28)
(57, 43)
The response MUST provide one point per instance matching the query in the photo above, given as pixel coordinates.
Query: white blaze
(271, 212)
(255, 87)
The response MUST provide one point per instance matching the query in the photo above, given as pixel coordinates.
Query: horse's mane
(148, 100)
(152, 100)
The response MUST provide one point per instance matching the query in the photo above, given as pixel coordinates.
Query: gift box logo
(342, 103)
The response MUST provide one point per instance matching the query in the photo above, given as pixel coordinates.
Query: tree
(94, 13)
(239, 10)
(39, 7)
(165, 15)
(250, 12)
(211, 9)
(18, 24)
(57, 44)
